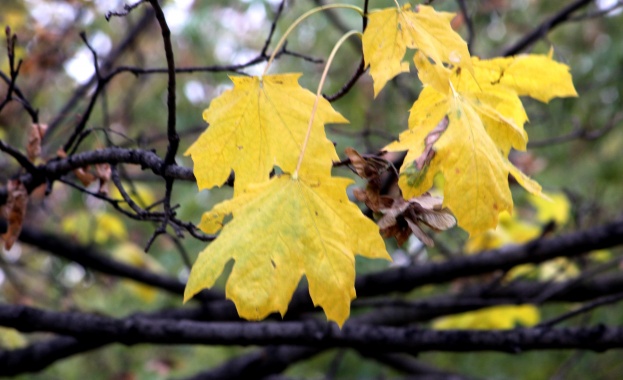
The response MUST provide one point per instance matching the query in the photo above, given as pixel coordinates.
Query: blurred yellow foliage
(601, 255)
(11, 338)
(556, 209)
(134, 255)
(559, 269)
(492, 318)
(100, 227)
(141, 194)
(512, 230)
(509, 230)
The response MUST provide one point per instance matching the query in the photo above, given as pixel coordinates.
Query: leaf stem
(319, 95)
(299, 20)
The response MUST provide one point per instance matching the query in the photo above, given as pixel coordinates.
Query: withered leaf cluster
(398, 217)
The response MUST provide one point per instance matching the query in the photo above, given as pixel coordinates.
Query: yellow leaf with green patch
(281, 230)
(475, 172)
(486, 121)
(258, 124)
(391, 31)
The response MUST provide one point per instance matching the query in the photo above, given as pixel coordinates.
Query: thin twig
(127, 8)
(549, 24)
(469, 23)
(581, 310)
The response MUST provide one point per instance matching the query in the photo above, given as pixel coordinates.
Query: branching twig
(583, 309)
(11, 39)
(360, 69)
(92, 259)
(20, 158)
(549, 24)
(127, 8)
(469, 22)
(579, 133)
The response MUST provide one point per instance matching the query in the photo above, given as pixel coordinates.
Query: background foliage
(574, 150)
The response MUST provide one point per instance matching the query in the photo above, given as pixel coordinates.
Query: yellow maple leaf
(258, 124)
(486, 119)
(534, 75)
(281, 229)
(100, 227)
(391, 31)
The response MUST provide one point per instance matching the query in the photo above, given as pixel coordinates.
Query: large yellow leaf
(476, 187)
(384, 46)
(282, 229)
(391, 31)
(258, 124)
(426, 113)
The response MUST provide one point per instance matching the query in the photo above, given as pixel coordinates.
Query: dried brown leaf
(14, 211)
(35, 135)
(103, 172)
(85, 177)
(408, 216)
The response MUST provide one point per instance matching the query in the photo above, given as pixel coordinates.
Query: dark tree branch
(360, 69)
(398, 312)
(174, 139)
(101, 83)
(275, 360)
(579, 133)
(536, 251)
(258, 364)
(11, 39)
(38, 356)
(32, 112)
(135, 330)
(409, 366)
(92, 259)
(22, 160)
(127, 8)
(469, 22)
(273, 27)
(147, 159)
(608, 300)
(549, 24)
